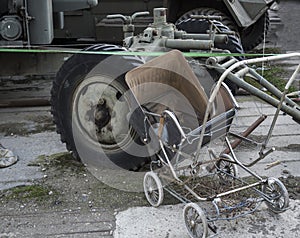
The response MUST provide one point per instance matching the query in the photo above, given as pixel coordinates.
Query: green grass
(62, 161)
(31, 192)
(267, 51)
(273, 74)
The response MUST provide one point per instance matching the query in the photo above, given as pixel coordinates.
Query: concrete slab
(167, 221)
(28, 148)
(57, 223)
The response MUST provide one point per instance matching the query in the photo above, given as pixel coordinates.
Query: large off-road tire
(227, 21)
(89, 108)
(253, 35)
(201, 26)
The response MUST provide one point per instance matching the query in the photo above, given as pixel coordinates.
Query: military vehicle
(75, 23)
(91, 100)
(35, 22)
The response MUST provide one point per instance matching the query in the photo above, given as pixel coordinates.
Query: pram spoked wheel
(227, 170)
(153, 189)
(195, 221)
(277, 194)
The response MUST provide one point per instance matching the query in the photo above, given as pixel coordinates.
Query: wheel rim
(195, 221)
(99, 113)
(277, 195)
(153, 189)
(227, 170)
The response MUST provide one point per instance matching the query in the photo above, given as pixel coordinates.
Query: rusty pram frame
(179, 166)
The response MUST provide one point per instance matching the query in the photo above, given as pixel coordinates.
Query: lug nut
(101, 101)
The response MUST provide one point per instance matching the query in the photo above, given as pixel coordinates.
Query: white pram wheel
(195, 221)
(153, 189)
(278, 195)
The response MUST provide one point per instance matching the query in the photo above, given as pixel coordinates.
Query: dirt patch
(36, 192)
(292, 185)
(67, 184)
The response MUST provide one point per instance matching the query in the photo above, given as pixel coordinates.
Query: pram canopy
(170, 82)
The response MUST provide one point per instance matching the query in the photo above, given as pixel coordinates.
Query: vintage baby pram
(181, 126)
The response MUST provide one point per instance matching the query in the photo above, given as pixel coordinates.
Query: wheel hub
(100, 111)
(102, 114)
(193, 223)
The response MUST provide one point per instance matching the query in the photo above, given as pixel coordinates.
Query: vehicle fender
(246, 12)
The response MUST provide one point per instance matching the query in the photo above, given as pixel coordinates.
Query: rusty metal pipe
(238, 141)
(246, 133)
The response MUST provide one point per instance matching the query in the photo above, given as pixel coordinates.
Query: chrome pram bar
(290, 108)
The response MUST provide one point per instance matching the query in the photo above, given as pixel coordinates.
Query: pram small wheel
(277, 198)
(153, 189)
(227, 170)
(195, 221)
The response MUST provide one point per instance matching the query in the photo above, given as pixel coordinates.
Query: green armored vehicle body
(35, 22)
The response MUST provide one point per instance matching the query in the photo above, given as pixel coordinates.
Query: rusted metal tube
(246, 133)
(238, 141)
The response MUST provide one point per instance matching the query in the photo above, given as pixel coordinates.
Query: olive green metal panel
(85, 19)
(90, 24)
(111, 31)
(41, 24)
(71, 5)
(246, 12)
(77, 25)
